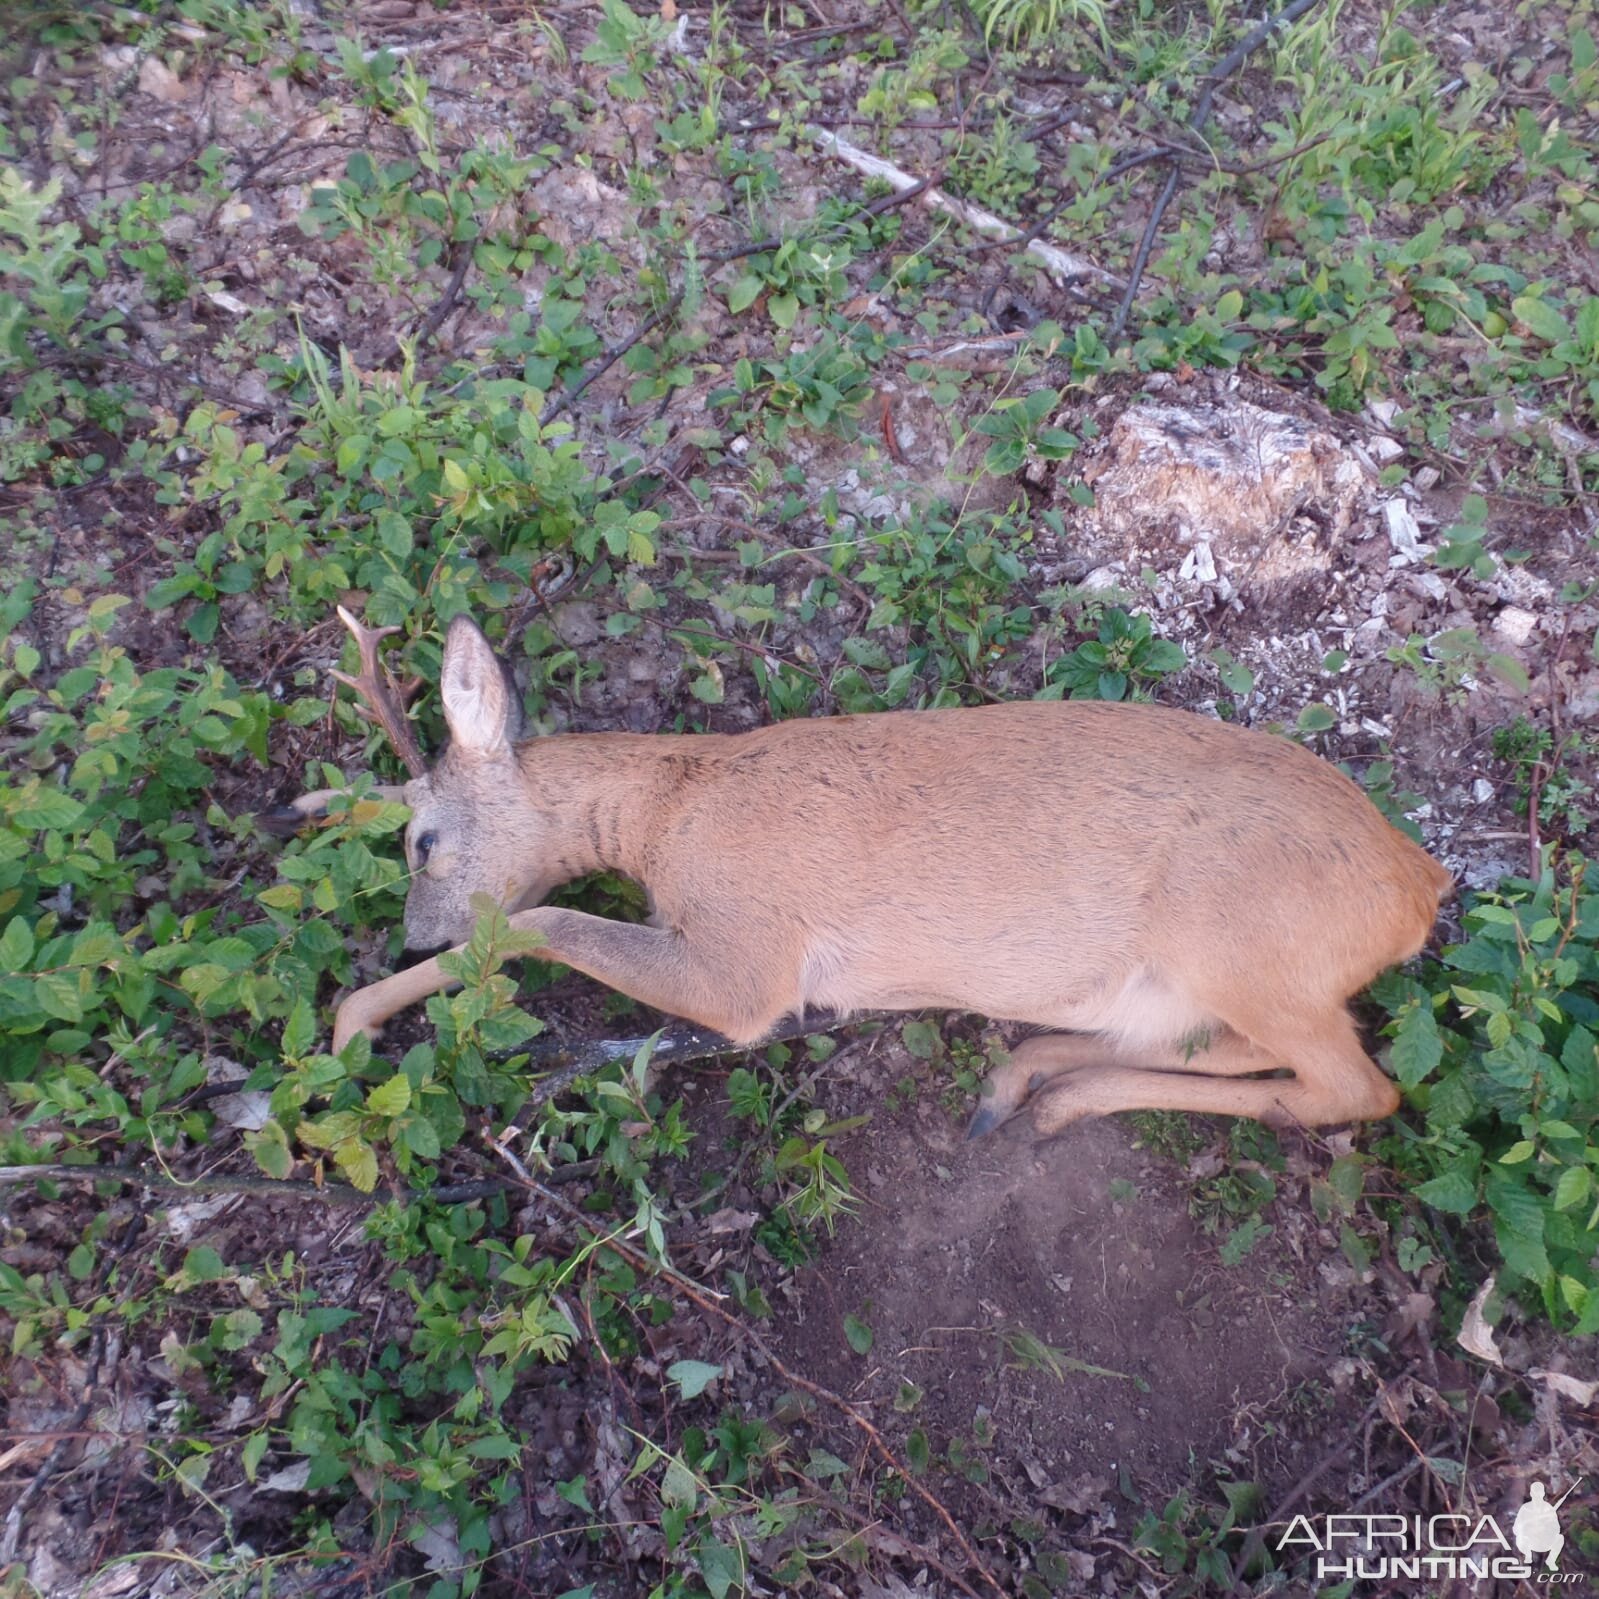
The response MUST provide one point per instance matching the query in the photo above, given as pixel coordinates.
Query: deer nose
(414, 955)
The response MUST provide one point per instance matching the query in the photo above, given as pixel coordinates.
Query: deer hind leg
(1333, 1080)
(1037, 1061)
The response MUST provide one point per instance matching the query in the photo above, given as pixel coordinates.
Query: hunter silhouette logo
(1536, 1528)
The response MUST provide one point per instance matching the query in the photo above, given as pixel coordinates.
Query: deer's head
(473, 827)
(471, 817)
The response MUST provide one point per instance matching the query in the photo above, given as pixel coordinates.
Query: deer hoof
(986, 1118)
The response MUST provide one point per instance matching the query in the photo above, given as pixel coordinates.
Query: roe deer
(1192, 903)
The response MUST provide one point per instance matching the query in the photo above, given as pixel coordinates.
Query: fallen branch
(1062, 266)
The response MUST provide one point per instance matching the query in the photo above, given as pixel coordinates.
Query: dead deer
(1189, 904)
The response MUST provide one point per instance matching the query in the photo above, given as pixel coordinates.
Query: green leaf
(359, 1162)
(1518, 1152)
(721, 1567)
(1417, 1047)
(202, 622)
(693, 1377)
(270, 1147)
(917, 1453)
(576, 1492)
(203, 1265)
(1453, 1192)
(422, 1138)
(1575, 1184)
(390, 1098)
(239, 1329)
(16, 945)
(1347, 1179)
(299, 1031)
(677, 1484)
(783, 309)
(744, 293)
(858, 1334)
(56, 994)
(1544, 321)
(1316, 718)
(39, 807)
(1509, 671)
(1164, 655)
(255, 1448)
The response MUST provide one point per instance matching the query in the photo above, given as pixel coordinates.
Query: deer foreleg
(733, 994)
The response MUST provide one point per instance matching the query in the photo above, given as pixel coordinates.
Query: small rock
(1100, 579)
(1384, 449)
(1199, 564)
(1404, 533)
(1426, 585)
(1514, 624)
(1482, 791)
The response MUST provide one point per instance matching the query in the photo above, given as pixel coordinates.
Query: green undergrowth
(1496, 1047)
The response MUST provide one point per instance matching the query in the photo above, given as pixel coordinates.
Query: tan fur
(1200, 898)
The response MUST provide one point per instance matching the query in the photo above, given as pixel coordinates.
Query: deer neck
(597, 799)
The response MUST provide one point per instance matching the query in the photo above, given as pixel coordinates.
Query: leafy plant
(1016, 427)
(1494, 1046)
(1556, 774)
(1126, 660)
(1037, 22)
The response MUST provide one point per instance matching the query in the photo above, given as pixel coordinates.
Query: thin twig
(1535, 781)
(434, 320)
(790, 552)
(1223, 69)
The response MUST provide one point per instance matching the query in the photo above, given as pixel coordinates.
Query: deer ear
(481, 704)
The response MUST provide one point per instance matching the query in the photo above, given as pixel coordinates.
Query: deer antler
(377, 688)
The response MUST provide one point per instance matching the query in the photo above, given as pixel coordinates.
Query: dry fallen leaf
(1572, 1387)
(1476, 1336)
(157, 79)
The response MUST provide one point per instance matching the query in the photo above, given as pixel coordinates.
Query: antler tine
(376, 687)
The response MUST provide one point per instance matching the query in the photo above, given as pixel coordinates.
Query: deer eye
(424, 847)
